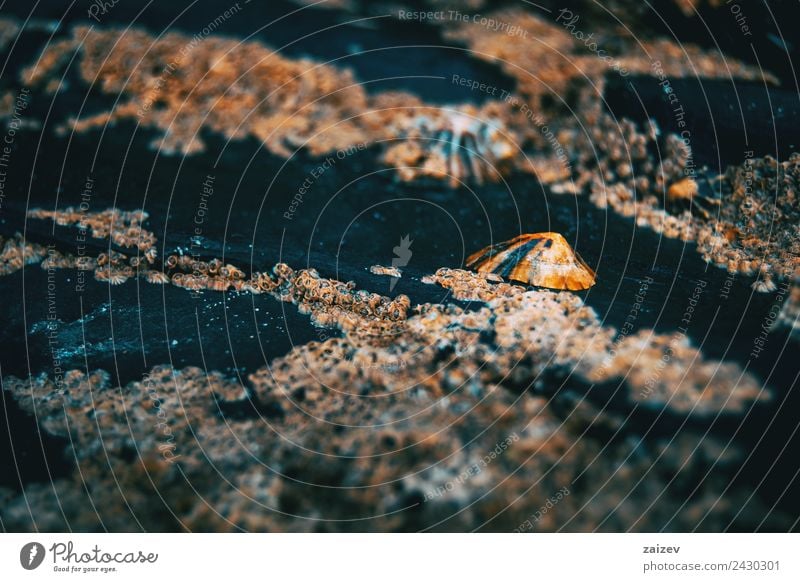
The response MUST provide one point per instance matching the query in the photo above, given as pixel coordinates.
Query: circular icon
(31, 555)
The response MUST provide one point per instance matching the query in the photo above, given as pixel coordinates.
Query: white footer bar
(399, 557)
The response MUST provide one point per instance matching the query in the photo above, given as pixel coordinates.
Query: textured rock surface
(192, 337)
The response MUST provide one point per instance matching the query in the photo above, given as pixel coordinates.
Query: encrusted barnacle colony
(454, 145)
(122, 227)
(544, 259)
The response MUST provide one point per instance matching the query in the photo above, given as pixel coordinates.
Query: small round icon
(31, 555)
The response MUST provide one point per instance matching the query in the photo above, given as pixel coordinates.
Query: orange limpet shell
(544, 259)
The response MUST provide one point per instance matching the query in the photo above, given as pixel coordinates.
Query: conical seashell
(544, 259)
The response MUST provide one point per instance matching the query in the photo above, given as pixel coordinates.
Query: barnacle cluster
(194, 274)
(555, 60)
(287, 104)
(757, 227)
(386, 271)
(689, 60)
(383, 427)
(659, 370)
(57, 260)
(122, 227)
(237, 89)
(467, 286)
(643, 173)
(114, 268)
(17, 252)
(682, 380)
(172, 418)
(329, 302)
(556, 74)
(542, 65)
(462, 145)
(746, 220)
(333, 303)
(668, 371)
(618, 162)
(111, 267)
(181, 85)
